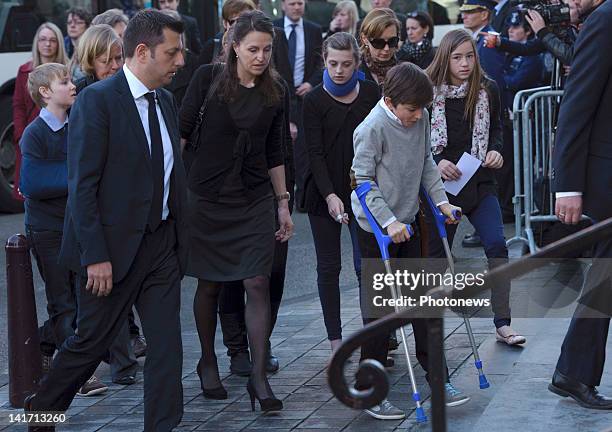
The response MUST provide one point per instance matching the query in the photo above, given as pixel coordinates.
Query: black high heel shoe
(218, 393)
(267, 405)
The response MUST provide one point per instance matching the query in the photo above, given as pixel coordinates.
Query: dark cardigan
(222, 144)
(325, 123)
(459, 140)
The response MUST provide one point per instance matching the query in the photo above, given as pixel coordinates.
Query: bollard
(23, 344)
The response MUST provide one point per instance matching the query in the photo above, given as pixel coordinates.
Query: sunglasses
(381, 43)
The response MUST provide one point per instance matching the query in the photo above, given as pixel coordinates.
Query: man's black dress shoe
(27, 407)
(586, 396)
(272, 364)
(126, 380)
(240, 364)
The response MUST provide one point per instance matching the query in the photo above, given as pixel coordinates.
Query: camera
(555, 15)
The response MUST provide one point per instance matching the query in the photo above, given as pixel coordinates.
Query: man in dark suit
(298, 60)
(192, 31)
(125, 226)
(582, 180)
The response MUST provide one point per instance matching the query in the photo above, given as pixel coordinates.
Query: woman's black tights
(257, 317)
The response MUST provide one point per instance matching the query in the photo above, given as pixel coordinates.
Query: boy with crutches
(392, 152)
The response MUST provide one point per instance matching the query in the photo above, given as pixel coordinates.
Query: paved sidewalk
(518, 397)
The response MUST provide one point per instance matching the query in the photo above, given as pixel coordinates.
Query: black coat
(313, 61)
(582, 159)
(109, 178)
(192, 33)
(324, 122)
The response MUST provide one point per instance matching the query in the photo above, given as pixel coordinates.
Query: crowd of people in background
(281, 106)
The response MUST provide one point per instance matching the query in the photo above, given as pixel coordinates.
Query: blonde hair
(350, 7)
(376, 22)
(42, 76)
(97, 41)
(60, 54)
(440, 73)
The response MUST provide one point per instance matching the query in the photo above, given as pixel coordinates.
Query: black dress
(232, 222)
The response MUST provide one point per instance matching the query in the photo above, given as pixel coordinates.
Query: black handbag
(194, 139)
(191, 148)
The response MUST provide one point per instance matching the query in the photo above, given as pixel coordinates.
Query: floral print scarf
(482, 119)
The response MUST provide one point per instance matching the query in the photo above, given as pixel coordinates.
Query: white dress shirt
(138, 90)
(300, 50)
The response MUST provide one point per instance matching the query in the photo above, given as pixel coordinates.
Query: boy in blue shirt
(44, 183)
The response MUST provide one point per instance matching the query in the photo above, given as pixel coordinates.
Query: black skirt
(230, 241)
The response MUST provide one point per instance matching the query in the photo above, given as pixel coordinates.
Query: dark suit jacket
(492, 62)
(109, 178)
(582, 159)
(313, 61)
(500, 21)
(192, 33)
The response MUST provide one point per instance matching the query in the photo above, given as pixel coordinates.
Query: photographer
(546, 39)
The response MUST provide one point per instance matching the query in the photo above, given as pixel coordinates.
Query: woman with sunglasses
(418, 48)
(466, 119)
(379, 40)
(332, 111)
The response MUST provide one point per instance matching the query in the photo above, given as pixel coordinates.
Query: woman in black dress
(418, 48)
(332, 111)
(231, 199)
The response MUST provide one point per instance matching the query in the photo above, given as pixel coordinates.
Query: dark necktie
(157, 164)
(292, 46)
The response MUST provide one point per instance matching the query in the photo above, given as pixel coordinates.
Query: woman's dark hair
(424, 20)
(147, 27)
(408, 84)
(84, 14)
(268, 81)
(342, 41)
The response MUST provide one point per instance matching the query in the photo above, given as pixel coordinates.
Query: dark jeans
(487, 220)
(153, 283)
(62, 305)
(376, 348)
(326, 234)
(583, 353)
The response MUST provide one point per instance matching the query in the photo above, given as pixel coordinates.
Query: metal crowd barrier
(534, 126)
(375, 373)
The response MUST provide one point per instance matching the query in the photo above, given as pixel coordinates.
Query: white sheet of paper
(468, 165)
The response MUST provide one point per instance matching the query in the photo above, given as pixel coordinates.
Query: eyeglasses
(45, 40)
(232, 21)
(381, 43)
(75, 22)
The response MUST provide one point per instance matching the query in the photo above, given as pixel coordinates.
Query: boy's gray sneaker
(386, 411)
(454, 397)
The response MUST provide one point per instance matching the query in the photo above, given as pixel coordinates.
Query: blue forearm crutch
(384, 241)
(440, 220)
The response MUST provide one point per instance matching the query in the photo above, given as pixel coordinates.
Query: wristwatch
(283, 196)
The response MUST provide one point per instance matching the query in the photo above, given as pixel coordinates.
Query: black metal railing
(373, 372)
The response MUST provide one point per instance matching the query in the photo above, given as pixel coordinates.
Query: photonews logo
(414, 280)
